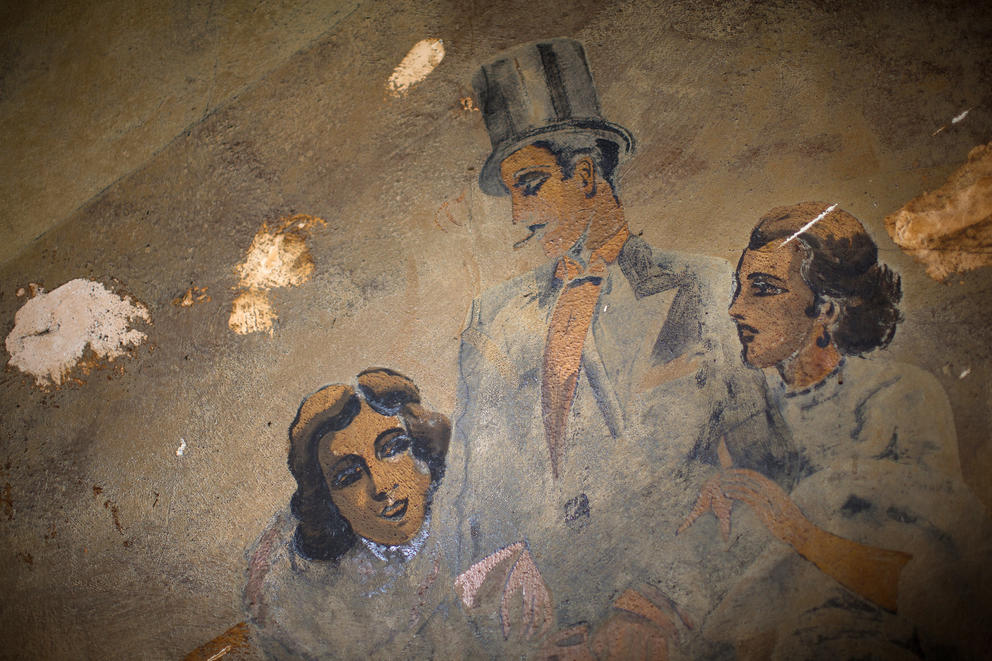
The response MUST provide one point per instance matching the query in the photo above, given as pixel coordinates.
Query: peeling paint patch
(191, 297)
(252, 313)
(277, 257)
(417, 65)
(51, 331)
(950, 229)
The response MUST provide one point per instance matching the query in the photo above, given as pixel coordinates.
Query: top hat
(539, 91)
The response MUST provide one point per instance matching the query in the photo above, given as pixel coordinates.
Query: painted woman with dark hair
(343, 572)
(870, 533)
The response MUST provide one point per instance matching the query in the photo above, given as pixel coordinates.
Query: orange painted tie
(563, 350)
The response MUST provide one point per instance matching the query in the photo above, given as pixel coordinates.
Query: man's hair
(569, 148)
(841, 267)
(322, 532)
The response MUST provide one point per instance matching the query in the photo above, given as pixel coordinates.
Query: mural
(677, 328)
(653, 456)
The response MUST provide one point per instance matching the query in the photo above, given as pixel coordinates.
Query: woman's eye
(766, 289)
(396, 445)
(346, 476)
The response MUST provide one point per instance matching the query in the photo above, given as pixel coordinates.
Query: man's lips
(396, 511)
(533, 232)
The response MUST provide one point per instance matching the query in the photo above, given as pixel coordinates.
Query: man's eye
(395, 446)
(347, 476)
(530, 183)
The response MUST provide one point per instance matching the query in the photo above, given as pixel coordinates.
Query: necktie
(563, 349)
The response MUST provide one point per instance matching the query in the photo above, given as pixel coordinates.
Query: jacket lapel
(646, 327)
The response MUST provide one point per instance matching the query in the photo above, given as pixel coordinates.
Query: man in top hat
(596, 393)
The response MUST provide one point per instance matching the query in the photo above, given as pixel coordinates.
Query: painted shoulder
(490, 302)
(878, 376)
(650, 270)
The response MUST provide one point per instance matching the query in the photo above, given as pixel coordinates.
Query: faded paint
(51, 331)
(417, 65)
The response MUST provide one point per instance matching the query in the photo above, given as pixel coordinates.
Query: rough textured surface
(115, 546)
(950, 229)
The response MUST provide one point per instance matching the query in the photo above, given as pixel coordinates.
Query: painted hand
(772, 505)
(532, 613)
(711, 497)
(536, 613)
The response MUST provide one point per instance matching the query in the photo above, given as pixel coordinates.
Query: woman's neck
(810, 365)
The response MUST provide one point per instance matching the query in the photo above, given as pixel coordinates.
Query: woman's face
(374, 480)
(770, 303)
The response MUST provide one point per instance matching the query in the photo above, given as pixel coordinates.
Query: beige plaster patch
(51, 331)
(252, 313)
(277, 257)
(417, 65)
(950, 229)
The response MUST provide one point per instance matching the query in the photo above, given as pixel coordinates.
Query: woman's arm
(869, 571)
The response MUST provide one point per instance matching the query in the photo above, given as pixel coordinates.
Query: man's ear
(585, 170)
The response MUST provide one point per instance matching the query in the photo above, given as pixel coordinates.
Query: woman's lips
(746, 333)
(396, 511)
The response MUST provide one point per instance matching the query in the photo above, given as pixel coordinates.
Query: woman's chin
(394, 533)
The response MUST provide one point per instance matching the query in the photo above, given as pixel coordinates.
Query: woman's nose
(381, 487)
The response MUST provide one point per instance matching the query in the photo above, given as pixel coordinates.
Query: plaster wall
(116, 546)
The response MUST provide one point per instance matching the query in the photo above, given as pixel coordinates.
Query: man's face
(770, 304)
(553, 209)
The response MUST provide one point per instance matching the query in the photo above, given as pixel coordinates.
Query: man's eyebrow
(528, 170)
(759, 274)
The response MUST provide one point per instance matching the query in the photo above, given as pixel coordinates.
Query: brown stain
(115, 513)
(8, 502)
(26, 558)
(234, 643)
(818, 145)
(97, 490)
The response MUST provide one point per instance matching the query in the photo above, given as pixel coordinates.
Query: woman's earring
(824, 340)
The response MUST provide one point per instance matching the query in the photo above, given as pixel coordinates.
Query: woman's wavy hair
(841, 267)
(322, 532)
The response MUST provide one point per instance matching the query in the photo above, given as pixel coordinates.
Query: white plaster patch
(51, 331)
(417, 65)
(181, 450)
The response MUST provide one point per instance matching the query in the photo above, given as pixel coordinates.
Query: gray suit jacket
(661, 382)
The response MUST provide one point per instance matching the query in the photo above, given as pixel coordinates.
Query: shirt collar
(569, 268)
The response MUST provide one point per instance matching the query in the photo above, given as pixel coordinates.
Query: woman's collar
(781, 387)
(401, 552)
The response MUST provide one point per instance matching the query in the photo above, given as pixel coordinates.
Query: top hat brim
(490, 180)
